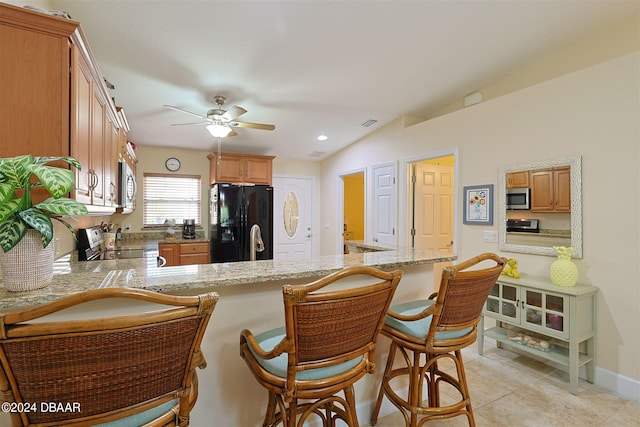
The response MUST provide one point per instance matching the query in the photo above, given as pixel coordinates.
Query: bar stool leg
(351, 406)
(415, 388)
(385, 379)
(269, 417)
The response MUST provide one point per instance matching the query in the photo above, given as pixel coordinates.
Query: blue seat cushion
(278, 365)
(143, 417)
(419, 328)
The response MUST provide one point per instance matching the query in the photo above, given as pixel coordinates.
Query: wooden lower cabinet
(170, 252)
(184, 253)
(194, 253)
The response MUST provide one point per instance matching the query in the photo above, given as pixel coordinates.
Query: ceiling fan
(220, 122)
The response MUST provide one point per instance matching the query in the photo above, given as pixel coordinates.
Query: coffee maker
(189, 229)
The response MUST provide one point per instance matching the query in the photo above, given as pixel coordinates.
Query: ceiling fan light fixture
(218, 130)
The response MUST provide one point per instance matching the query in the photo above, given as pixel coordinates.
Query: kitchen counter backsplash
(158, 235)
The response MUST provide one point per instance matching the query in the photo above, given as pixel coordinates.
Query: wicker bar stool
(126, 370)
(434, 330)
(326, 345)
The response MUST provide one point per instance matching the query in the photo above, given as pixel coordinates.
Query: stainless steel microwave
(127, 186)
(519, 198)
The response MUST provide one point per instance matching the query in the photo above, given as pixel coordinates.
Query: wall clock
(172, 164)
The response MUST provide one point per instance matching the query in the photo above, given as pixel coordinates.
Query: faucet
(255, 242)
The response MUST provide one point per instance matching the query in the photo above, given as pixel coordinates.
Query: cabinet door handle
(93, 180)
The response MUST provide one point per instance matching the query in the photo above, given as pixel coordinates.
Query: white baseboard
(623, 386)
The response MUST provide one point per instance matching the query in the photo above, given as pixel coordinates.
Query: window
(169, 197)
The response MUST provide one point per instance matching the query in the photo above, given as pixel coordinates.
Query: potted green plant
(26, 230)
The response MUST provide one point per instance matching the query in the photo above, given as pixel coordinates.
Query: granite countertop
(71, 276)
(544, 233)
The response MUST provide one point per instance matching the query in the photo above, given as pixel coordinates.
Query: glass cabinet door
(555, 312)
(546, 312)
(503, 300)
(533, 307)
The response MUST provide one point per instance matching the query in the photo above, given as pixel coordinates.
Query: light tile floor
(509, 389)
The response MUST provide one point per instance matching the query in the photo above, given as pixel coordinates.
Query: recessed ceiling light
(322, 137)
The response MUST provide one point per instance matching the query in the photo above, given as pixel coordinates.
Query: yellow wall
(354, 205)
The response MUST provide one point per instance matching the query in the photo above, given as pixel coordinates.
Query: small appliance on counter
(523, 225)
(189, 229)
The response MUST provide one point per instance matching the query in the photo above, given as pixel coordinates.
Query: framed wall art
(478, 204)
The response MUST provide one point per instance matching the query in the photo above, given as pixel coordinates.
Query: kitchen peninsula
(251, 298)
(71, 276)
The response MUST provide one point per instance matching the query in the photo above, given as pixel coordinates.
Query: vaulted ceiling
(314, 67)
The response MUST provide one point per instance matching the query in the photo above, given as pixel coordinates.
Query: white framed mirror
(567, 226)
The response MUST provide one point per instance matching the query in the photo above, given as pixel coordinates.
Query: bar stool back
(124, 370)
(326, 345)
(434, 330)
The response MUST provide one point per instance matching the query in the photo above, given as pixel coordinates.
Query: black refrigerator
(233, 211)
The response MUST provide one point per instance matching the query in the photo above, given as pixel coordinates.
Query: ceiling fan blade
(233, 112)
(191, 123)
(252, 125)
(232, 133)
(184, 111)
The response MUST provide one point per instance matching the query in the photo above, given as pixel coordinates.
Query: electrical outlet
(127, 226)
(490, 236)
(56, 247)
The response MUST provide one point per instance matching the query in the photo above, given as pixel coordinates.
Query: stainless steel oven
(91, 247)
(127, 187)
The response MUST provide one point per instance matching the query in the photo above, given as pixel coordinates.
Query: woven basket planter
(27, 266)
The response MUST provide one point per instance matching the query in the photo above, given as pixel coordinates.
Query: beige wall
(593, 113)
(151, 159)
(194, 162)
(612, 41)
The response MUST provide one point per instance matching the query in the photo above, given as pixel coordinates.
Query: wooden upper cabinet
(55, 102)
(82, 99)
(517, 179)
(562, 189)
(34, 83)
(551, 190)
(240, 168)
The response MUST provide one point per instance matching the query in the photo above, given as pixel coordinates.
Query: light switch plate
(490, 236)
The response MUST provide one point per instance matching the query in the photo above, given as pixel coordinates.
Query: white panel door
(434, 205)
(385, 203)
(292, 212)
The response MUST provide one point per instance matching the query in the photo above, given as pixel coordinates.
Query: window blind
(167, 197)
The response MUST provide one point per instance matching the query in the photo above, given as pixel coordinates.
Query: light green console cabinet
(565, 316)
